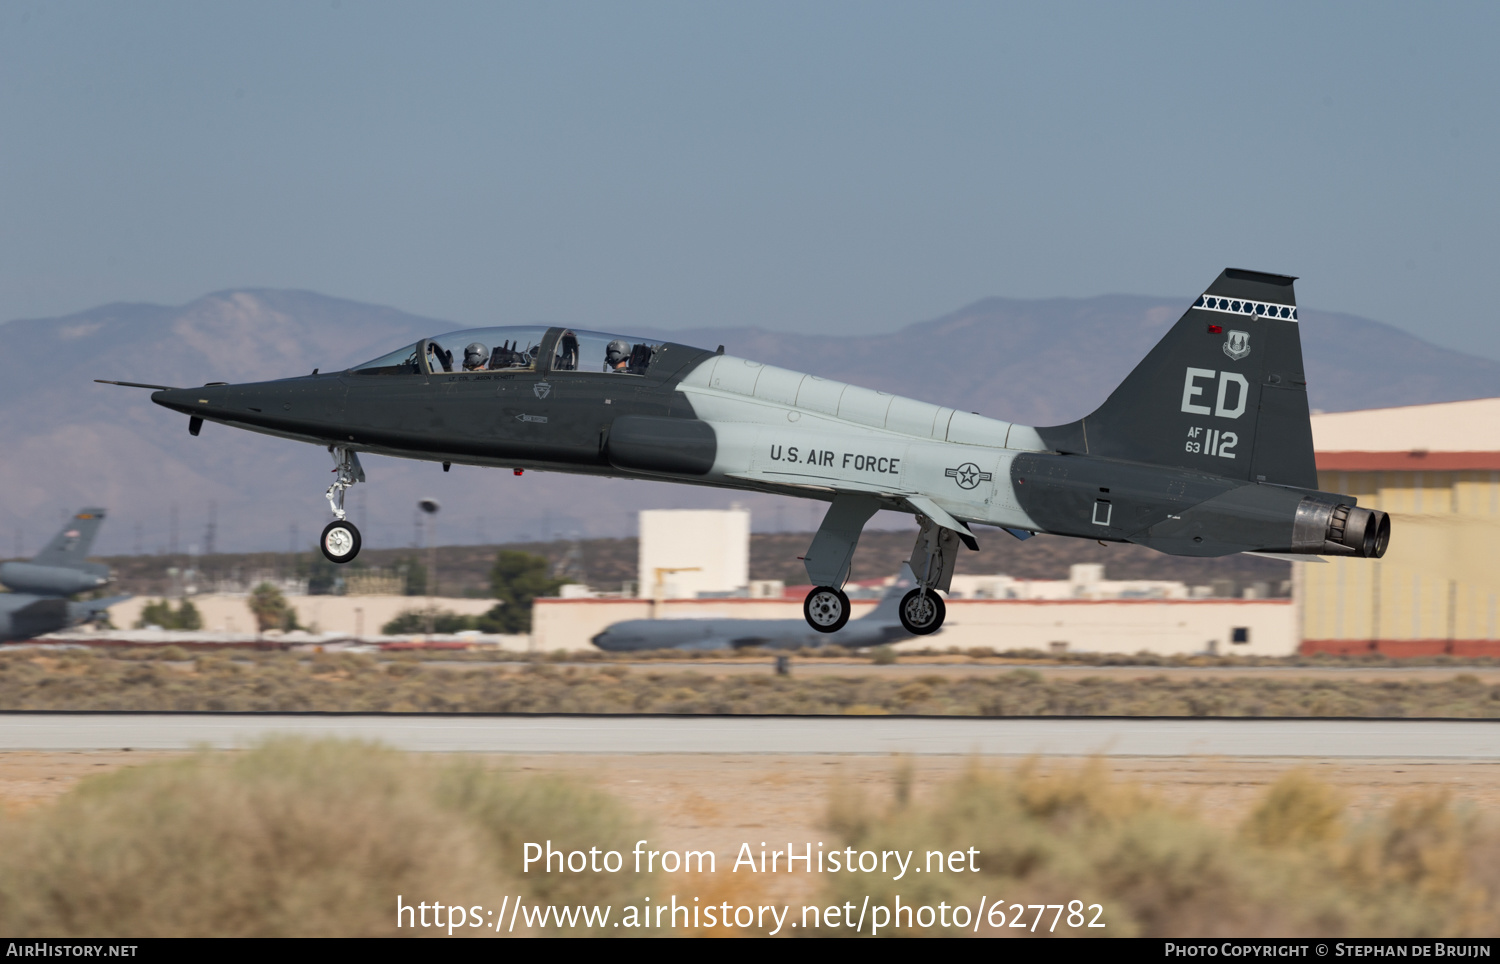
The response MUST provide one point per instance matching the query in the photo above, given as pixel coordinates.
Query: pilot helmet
(616, 352)
(475, 355)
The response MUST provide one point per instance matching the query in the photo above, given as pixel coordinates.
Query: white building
(1083, 613)
(1245, 627)
(358, 616)
(1436, 470)
(1085, 581)
(693, 553)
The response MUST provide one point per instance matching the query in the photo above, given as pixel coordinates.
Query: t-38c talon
(1204, 450)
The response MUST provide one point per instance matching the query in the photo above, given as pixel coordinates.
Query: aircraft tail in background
(59, 569)
(37, 602)
(887, 610)
(70, 547)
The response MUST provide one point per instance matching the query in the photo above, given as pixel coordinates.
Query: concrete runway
(1243, 738)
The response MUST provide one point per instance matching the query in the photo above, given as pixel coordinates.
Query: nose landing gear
(340, 540)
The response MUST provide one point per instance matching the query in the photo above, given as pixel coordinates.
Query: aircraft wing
(88, 610)
(99, 605)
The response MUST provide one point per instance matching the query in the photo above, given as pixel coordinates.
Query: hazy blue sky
(805, 166)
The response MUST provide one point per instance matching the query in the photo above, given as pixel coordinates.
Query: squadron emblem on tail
(1237, 345)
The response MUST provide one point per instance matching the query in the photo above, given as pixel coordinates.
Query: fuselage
(23, 615)
(700, 417)
(37, 603)
(693, 416)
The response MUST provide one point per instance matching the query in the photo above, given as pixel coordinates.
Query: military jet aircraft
(880, 625)
(38, 599)
(1204, 450)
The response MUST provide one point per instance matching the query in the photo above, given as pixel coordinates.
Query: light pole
(431, 507)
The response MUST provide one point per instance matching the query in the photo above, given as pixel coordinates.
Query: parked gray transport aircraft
(880, 625)
(38, 599)
(1204, 450)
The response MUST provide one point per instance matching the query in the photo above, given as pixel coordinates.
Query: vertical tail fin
(71, 546)
(1223, 392)
(887, 610)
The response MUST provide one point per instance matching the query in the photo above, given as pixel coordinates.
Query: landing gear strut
(826, 608)
(922, 610)
(340, 540)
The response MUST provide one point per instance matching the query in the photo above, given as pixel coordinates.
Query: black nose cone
(189, 401)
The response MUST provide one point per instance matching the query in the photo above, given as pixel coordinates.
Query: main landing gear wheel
(826, 609)
(922, 611)
(340, 541)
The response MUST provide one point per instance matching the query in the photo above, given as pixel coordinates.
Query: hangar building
(1436, 470)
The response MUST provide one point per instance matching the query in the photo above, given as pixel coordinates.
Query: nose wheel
(826, 609)
(922, 611)
(340, 542)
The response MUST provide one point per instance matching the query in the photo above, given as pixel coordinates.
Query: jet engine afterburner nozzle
(1326, 528)
(1365, 531)
(1372, 529)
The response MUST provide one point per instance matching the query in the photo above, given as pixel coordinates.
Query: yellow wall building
(1436, 470)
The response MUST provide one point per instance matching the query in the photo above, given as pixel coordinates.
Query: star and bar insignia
(968, 475)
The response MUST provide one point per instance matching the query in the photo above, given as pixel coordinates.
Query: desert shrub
(160, 613)
(295, 838)
(137, 680)
(1296, 867)
(1296, 811)
(516, 579)
(415, 621)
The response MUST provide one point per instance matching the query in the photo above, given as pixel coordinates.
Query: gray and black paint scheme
(1204, 450)
(878, 627)
(38, 601)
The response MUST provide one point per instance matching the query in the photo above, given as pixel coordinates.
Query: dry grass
(317, 838)
(295, 838)
(90, 680)
(1296, 867)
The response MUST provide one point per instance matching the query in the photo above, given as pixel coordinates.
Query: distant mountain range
(1051, 361)
(68, 442)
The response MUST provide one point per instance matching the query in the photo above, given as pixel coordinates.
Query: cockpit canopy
(593, 351)
(522, 349)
